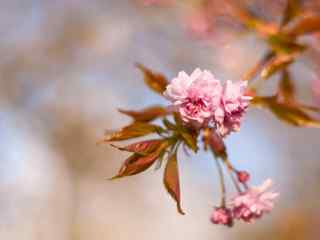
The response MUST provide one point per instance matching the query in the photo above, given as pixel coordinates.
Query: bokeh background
(65, 68)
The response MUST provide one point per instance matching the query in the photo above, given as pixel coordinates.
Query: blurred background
(65, 68)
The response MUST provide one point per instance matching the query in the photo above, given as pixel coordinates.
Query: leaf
(215, 142)
(276, 64)
(190, 139)
(178, 119)
(251, 74)
(143, 147)
(171, 180)
(286, 87)
(284, 44)
(250, 20)
(306, 25)
(134, 130)
(137, 163)
(157, 82)
(188, 135)
(147, 114)
(259, 101)
(161, 158)
(310, 108)
(169, 125)
(291, 11)
(291, 114)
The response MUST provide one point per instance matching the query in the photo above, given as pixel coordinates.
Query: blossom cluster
(202, 109)
(203, 100)
(247, 206)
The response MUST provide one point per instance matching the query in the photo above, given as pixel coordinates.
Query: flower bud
(223, 216)
(243, 176)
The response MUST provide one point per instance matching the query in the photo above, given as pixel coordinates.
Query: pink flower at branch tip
(196, 96)
(233, 105)
(253, 203)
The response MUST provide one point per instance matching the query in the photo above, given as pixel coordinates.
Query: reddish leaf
(310, 108)
(253, 72)
(171, 180)
(147, 114)
(157, 82)
(215, 142)
(291, 11)
(306, 25)
(286, 87)
(134, 130)
(276, 64)
(284, 44)
(250, 20)
(142, 147)
(291, 114)
(138, 163)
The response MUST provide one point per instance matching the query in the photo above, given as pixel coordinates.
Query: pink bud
(243, 176)
(223, 216)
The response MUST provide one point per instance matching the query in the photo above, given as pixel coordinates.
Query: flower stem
(222, 183)
(231, 171)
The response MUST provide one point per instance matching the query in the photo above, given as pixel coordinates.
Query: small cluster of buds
(248, 205)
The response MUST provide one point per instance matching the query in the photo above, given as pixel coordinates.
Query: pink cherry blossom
(253, 203)
(196, 96)
(222, 216)
(234, 103)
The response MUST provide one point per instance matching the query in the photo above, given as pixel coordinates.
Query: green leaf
(286, 87)
(171, 180)
(137, 129)
(137, 163)
(147, 114)
(157, 82)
